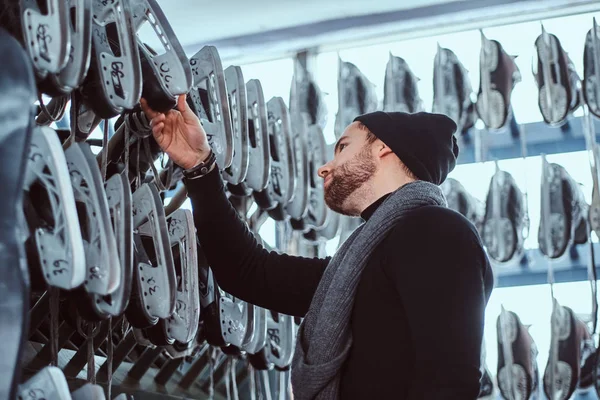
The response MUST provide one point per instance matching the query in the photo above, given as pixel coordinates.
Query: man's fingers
(150, 113)
(185, 110)
(157, 119)
(157, 128)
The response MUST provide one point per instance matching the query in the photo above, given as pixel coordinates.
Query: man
(398, 312)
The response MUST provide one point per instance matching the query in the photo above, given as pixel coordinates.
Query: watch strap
(201, 169)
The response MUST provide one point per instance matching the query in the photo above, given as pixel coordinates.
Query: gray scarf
(325, 335)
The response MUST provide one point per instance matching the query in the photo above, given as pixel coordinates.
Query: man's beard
(347, 179)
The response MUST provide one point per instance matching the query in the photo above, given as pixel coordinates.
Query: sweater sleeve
(242, 266)
(444, 291)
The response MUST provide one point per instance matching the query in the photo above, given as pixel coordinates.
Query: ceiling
(262, 29)
(202, 20)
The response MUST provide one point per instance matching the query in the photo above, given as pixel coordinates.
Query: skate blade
(102, 259)
(118, 195)
(156, 280)
(259, 161)
(280, 339)
(298, 206)
(238, 105)
(61, 249)
(208, 99)
(171, 66)
(119, 75)
(73, 74)
(47, 37)
(182, 325)
(317, 209)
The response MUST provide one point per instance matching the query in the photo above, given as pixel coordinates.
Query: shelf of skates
(103, 278)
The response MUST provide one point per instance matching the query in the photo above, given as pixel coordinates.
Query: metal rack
(505, 144)
(532, 269)
(145, 372)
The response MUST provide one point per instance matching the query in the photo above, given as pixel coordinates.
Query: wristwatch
(201, 169)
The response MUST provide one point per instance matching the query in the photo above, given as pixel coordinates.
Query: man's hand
(179, 133)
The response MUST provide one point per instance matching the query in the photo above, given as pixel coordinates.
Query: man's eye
(342, 146)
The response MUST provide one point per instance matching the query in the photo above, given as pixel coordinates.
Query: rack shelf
(505, 144)
(533, 270)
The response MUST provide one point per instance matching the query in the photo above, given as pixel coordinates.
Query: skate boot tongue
(400, 87)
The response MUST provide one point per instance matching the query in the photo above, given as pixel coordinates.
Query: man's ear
(382, 149)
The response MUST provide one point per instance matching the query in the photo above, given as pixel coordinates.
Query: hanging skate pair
(452, 90)
(563, 212)
(309, 114)
(570, 364)
(400, 87)
(556, 78)
(498, 76)
(505, 220)
(591, 70)
(463, 202)
(156, 243)
(234, 115)
(93, 52)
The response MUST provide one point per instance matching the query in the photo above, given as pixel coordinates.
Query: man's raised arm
(242, 266)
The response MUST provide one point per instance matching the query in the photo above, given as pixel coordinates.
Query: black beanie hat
(424, 142)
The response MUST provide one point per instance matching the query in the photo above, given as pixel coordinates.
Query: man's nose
(324, 170)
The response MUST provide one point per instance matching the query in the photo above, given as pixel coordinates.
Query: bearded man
(398, 311)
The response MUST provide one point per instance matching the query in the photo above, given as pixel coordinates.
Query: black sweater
(418, 316)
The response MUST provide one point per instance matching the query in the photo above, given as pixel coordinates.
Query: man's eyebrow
(339, 142)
